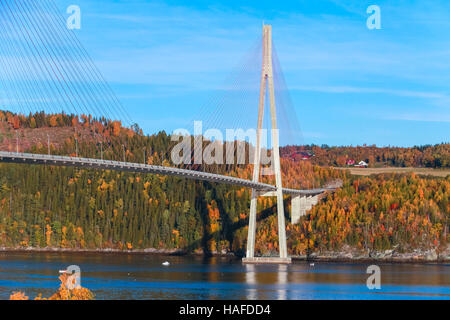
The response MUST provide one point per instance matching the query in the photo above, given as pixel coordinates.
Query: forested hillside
(72, 208)
(436, 156)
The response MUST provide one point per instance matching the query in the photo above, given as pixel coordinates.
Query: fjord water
(136, 276)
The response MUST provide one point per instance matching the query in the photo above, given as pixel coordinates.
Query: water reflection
(250, 280)
(282, 281)
(122, 276)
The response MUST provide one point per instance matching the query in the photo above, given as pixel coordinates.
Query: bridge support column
(267, 81)
(298, 208)
(311, 201)
(295, 209)
(301, 204)
(252, 226)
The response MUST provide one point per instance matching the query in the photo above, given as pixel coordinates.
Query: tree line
(43, 206)
(428, 156)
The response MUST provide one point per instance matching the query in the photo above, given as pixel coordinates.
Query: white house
(362, 164)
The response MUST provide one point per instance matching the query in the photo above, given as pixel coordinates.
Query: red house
(296, 156)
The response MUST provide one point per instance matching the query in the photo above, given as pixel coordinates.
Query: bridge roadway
(87, 163)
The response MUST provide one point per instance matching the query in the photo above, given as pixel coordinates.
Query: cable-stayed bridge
(45, 67)
(89, 163)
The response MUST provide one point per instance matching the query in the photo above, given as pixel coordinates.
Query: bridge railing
(145, 168)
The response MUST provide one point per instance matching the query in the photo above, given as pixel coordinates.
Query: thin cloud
(362, 90)
(422, 117)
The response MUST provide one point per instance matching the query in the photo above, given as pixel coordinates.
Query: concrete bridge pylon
(267, 81)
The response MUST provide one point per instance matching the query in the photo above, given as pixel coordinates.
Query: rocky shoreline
(351, 255)
(346, 255)
(106, 250)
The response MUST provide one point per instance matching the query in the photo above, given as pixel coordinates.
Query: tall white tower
(267, 82)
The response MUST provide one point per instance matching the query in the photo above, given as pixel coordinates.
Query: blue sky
(349, 85)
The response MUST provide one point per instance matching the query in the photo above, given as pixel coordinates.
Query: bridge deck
(28, 158)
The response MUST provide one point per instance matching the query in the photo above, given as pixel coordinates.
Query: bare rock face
(351, 253)
(445, 255)
(431, 255)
